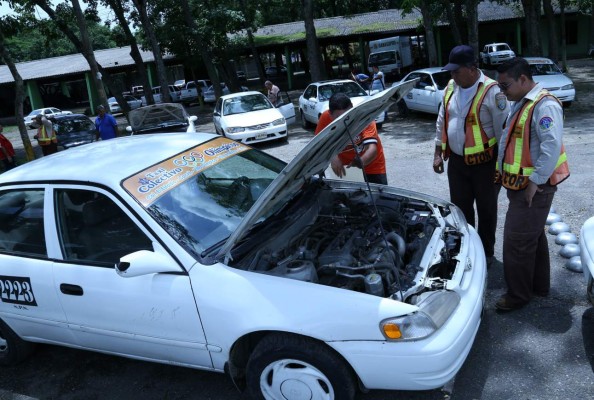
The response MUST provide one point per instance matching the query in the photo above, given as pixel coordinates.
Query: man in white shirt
(273, 93)
(468, 128)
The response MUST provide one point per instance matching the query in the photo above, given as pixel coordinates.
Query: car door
(311, 99)
(150, 316)
(286, 107)
(29, 303)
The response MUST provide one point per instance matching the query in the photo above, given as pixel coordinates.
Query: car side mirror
(193, 118)
(430, 88)
(129, 129)
(312, 99)
(145, 262)
(216, 114)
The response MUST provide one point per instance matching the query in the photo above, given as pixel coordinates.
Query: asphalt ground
(540, 352)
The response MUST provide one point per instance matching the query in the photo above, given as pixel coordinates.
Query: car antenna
(381, 226)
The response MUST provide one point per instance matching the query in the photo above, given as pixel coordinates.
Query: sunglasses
(504, 85)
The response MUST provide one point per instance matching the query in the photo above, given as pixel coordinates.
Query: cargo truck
(392, 55)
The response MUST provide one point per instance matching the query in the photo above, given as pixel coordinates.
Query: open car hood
(157, 116)
(314, 158)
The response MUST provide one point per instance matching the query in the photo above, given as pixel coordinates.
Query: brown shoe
(504, 305)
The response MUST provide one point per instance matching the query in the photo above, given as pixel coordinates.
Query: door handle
(73, 290)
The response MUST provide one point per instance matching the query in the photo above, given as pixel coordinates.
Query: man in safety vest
(468, 127)
(531, 163)
(46, 136)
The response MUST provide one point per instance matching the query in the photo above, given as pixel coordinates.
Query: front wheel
(590, 290)
(304, 122)
(285, 366)
(13, 349)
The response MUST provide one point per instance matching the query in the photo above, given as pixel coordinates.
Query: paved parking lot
(543, 351)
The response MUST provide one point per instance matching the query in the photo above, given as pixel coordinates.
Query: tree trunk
(256, 54)
(429, 36)
(314, 56)
(532, 20)
(63, 27)
(117, 8)
(552, 30)
(452, 21)
(88, 53)
(18, 100)
(141, 6)
(473, 26)
(460, 20)
(204, 51)
(563, 36)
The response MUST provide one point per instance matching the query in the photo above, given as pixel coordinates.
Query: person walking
(469, 125)
(378, 81)
(368, 153)
(273, 93)
(105, 125)
(6, 151)
(531, 163)
(46, 135)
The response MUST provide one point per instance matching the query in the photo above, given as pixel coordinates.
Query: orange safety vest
(517, 163)
(478, 147)
(42, 137)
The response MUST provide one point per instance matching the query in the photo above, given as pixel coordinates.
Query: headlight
(457, 219)
(279, 121)
(235, 130)
(567, 87)
(434, 310)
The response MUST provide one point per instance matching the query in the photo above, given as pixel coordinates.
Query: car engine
(345, 240)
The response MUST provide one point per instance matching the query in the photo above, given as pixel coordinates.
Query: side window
(309, 93)
(21, 223)
(92, 228)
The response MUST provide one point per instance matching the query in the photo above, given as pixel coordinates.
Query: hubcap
(3, 344)
(295, 380)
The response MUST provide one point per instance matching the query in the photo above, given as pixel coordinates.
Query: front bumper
(432, 362)
(260, 135)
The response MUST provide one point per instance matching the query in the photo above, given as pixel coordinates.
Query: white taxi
(550, 76)
(249, 117)
(199, 251)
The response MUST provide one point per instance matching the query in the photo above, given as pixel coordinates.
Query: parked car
(158, 118)
(273, 71)
(587, 256)
(550, 76)
(132, 101)
(496, 53)
(74, 130)
(249, 117)
(427, 93)
(180, 83)
(174, 93)
(314, 100)
(210, 96)
(48, 112)
(199, 251)
(190, 93)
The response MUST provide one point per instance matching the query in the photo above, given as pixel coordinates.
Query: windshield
(545, 69)
(441, 79)
(500, 47)
(73, 125)
(200, 196)
(351, 89)
(243, 104)
(383, 58)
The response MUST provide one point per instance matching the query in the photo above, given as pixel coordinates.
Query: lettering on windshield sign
(148, 185)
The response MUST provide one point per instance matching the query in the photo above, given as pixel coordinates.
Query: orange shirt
(367, 136)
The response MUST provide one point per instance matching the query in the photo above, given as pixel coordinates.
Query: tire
(304, 122)
(284, 366)
(13, 349)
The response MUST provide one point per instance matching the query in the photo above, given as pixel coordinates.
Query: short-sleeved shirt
(6, 145)
(107, 126)
(273, 95)
(367, 136)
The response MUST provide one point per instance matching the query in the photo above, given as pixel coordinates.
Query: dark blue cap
(460, 56)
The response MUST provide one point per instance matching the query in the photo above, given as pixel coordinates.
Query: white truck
(496, 53)
(392, 55)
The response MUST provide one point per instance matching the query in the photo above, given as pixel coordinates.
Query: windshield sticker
(17, 290)
(148, 185)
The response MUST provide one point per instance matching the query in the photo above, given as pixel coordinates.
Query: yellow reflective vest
(517, 163)
(478, 147)
(43, 138)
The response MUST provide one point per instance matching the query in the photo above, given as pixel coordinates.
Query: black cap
(460, 56)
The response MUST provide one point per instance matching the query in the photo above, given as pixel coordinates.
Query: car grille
(258, 127)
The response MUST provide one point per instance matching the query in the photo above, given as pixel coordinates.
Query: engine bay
(344, 239)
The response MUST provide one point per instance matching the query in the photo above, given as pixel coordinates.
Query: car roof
(240, 94)
(320, 83)
(105, 162)
(538, 60)
(430, 70)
